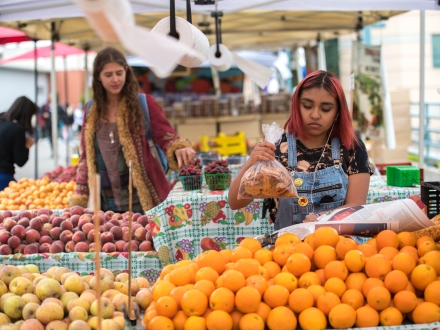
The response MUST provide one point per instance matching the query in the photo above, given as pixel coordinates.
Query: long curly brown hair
(129, 91)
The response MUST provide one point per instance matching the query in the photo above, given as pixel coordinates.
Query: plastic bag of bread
(267, 179)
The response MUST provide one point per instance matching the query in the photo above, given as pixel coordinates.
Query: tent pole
(66, 97)
(54, 105)
(36, 103)
(422, 92)
(86, 74)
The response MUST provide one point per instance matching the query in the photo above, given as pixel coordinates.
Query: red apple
(9, 223)
(5, 250)
(66, 225)
(70, 246)
(117, 232)
(30, 249)
(146, 246)
(140, 234)
(74, 219)
(23, 222)
(87, 228)
(4, 236)
(81, 247)
(79, 237)
(36, 224)
(109, 247)
(45, 239)
(107, 238)
(14, 241)
(120, 246)
(32, 236)
(55, 233)
(56, 221)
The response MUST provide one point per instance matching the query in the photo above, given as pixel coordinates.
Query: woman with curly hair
(114, 133)
(329, 165)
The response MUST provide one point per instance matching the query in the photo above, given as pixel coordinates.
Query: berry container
(192, 182)
(218, 181)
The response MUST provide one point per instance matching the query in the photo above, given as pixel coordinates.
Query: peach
(107, 238)
(23, 222)
(18, 231)
(20, 248)
(56, 221)
(46, 239)
(81, 247)
(32, 236)
(44, 248)
(76, 210)
(134, 247)
(66, 225)
(140, 234)
(70, 246)
(109, 247)
(14, 242)
(55, 233)
(55, 248)
(36, 224)
(66, 236)
(9, 223)
(4, 236)
(86, 228)
(91, 235)
(143, 220)
(44, 211)
(120, 246)
(78, 237)
(117, 232)
(146, 246)
(30, 249)
(74, 220)
(5, 250)
(47, 226)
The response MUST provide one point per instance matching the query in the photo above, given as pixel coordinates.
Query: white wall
(15, 83)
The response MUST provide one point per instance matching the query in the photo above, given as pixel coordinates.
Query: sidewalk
(45, 162)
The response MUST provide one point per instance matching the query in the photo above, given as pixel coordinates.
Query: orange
(336, 269)
(162, 289)
(426, 247)
(161, 323)
(298, 264)
(226, 254)
(208, 311)
(272, 268)
(327, 301)
(308, 279)
(300, 299)
(181, 276)
(367, 249)
(312, 319)
(222, 299)
(276, 295)
(149, 315)
(206, 273)
(316, 291)
(378, 266)
(410, 315)
(366, 317)
(432, 292)
(166, 270)
(303, 248)
(355, 281)
(194, 323)
(423, 239)
(389, 252)
(342, 316)
(219, 320)
(251, 243)
(405, 301)
(387, 238)
(396, 281)
(323, 255)
(379, 298)
(247, 300)
(325, 236)
(281, 318)
(422, 275)
(426, 312)
(287, 238)
(236, 317)
(166, 306)
(263, 256)
(321, 274)
(233, 280)
(205, 286)
(412, 251)
(335, 285)
(258, 282)
(371, 283)
(211, 259)
(194, 303)
(229, 266)
(263, 273)
(309, 240)
(179, 320)
(241, 252)
(263, 311)
(354, 298)
(282, 253)
(432, 259)
(343, 246)
(287, 280)
(403, 262)
(251, 321)
(390, 316)
(406, 239)
(246, 267)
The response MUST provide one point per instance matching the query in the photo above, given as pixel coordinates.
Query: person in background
(114, 133)
(328, 163)
(46, 113)
(16, 138)
(78, 115)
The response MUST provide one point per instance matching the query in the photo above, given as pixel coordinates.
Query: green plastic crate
(402, 176)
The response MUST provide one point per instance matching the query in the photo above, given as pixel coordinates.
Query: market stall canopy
(246, 23)
(8, 35)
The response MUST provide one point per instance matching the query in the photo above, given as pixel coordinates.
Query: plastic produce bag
(267, 179)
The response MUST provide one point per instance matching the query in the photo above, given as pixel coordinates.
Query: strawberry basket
(218, 181)
(191, 182)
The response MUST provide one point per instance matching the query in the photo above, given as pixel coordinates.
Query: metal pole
(54, 106)
(66, 96)
(36, 103)
(422, 92)
(86, 74)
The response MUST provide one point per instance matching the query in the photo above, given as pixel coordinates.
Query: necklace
(112, 137)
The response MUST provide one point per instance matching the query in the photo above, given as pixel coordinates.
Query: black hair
(21, 111)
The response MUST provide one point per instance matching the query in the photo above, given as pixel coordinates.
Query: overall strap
(336, 151)
(291, 143)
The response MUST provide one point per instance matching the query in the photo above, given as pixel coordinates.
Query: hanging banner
(372, 112)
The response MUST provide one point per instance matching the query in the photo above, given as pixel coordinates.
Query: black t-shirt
(12, 146)
(352, 161)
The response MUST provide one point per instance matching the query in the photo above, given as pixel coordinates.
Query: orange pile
(30, 194)
(327, 280)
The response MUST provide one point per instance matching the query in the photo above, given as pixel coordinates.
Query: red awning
(8, 35)
(60, 50)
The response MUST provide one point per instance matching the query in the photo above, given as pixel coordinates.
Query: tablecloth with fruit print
(143, 263)
(190, 222)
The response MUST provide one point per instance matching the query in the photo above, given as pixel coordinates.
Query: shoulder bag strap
(148, 133)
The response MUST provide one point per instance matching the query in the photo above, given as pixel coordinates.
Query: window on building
(436, 50)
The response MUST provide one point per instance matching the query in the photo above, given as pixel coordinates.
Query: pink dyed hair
(343, 128)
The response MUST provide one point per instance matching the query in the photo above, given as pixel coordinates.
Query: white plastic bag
(267, 179)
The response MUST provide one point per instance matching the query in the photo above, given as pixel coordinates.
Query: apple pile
(42, 231)
(63, 300)
(62, 174)
(217, 166)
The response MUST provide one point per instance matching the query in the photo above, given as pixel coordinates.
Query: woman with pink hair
(328, 163)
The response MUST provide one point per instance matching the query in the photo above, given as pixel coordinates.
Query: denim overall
(331, 182)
